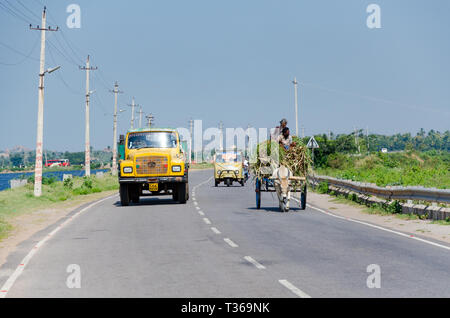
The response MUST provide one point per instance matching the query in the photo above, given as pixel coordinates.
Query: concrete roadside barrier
(15, 183)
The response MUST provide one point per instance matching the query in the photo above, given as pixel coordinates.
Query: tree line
(360, 143)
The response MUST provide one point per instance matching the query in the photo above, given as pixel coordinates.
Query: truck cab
(152, 162)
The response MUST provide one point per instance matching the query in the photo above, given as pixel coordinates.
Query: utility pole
(150, 118)
(40, 119)
(356, 141)
(140, 112)
(221, 135)
(114, 162)
(367, 136)
(132, 112)
(303, 132)
(87, 144)
(296, 106)
(247, 142)
(191, 128)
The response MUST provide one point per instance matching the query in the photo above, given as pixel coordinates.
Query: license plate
(153, 187)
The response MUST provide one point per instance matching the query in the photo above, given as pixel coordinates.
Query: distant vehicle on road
(57, 163)
(228, 167)
(384, 150)
(152, 159)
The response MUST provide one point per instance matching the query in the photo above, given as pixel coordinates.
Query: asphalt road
(219, 245)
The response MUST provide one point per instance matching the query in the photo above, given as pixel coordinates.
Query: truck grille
(156, 165)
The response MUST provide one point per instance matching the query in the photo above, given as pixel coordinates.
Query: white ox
(281, 176)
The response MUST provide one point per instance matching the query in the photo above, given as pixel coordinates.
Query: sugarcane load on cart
(281, 166)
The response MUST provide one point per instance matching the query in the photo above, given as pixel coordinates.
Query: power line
(68, 59)
(65, 51)
(375, 99)
(52, 57)
(101, 81)
(102, 77)
(71, 47)
(26, 8)
(12, 13)
(18, 11)
(26, 56)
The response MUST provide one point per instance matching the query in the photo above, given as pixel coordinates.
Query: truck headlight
(127, 169)
(176, 168)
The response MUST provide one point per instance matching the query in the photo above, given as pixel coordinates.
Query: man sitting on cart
(285, 138)
(278, 130)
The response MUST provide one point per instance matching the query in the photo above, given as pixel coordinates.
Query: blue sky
(228, 60)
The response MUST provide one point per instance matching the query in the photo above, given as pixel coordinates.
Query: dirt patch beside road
(424, 228)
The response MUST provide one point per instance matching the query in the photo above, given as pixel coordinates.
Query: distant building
(384, 150)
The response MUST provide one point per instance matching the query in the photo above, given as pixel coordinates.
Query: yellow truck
(152, 160)
(228, 167)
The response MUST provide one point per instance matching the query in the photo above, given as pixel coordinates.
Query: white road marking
(201, 213)
(11, 280)
(200, 184)
(206, 220)
(380, 228)
(195, 203)
(230, 242)
(252, 260)
(215, 230)
(293, 289)
(197, 207)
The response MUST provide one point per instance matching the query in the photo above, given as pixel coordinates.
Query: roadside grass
(378, 209)
(442, 222)
(5, 228)
(429, 170)
(203, 165)
(15, 202)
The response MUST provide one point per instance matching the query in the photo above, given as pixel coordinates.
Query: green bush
(48, 180)
(68, 183)
(87, 183)
(323, 187)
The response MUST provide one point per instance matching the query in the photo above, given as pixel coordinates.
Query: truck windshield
(228, 157)
(154, 139)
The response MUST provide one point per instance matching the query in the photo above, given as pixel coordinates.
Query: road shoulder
(423, 228)
(27, 225)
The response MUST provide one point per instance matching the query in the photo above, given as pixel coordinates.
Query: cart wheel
(303, 199)
(258, 194)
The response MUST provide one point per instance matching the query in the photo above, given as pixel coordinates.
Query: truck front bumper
(142, 180)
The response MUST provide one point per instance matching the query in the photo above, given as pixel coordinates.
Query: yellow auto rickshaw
(228, 167)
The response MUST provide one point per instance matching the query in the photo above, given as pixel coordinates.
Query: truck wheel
(303, 199)
(134, 193)
(228, 182)
(175, 194)
(216, 183)
(124, 195)
(258, 194)
(135, 198)
(182, 193)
